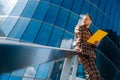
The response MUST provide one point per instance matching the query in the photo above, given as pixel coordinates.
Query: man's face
(86, 20)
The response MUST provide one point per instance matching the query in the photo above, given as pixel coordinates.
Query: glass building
(52, 23)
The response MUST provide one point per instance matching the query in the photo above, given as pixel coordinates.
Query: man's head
(87, 20)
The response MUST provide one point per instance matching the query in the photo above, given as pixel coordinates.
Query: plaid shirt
(81, 41)
(87, 56)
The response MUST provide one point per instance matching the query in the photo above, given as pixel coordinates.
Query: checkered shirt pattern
(81, 41)
(90, 68)
(87, 56)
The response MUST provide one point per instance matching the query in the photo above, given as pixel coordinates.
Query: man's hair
(89, 16)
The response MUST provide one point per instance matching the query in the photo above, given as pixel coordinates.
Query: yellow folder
(98, 36)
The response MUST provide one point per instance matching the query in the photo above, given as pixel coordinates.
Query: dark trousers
(90, 68)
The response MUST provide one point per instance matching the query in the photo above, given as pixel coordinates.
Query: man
(85, 50)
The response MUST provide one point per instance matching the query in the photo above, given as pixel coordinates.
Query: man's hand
(78, 49)
(76, 31)
(94, 56)
(96, 43)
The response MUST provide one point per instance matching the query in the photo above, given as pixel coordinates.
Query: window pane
(113, 10)
(2, 6)
(31, 31)
(19, 73)
(30, 8)
(19, 28)
(105, 22)
(8, 25)
(55, 38)
(68, 4)
(95, 2)
(52, 14)
(2, 19)
(67, 40)
(80, 71)
(85, 7)
(46, 0)
(30, 72)
(99, 18)
(92, 28)
(77, 6)
(102, 4)
(4, 77)
(56, 70)
(118, 33)
(73, 20)
(43, 71)
(93, 12)
(19, 7)
(108, 5)
(15, 78)
(2, 33)
(27, 79)
(6, 6)
(116, 21)
(41, 11)
(62, 18)
(44, 34)
(58, 2)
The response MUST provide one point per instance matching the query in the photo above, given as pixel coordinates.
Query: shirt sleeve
(78, 35)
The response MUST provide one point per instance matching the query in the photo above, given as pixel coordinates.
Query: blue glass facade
(52, 22)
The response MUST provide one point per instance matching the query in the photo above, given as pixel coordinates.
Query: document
(98, 36)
